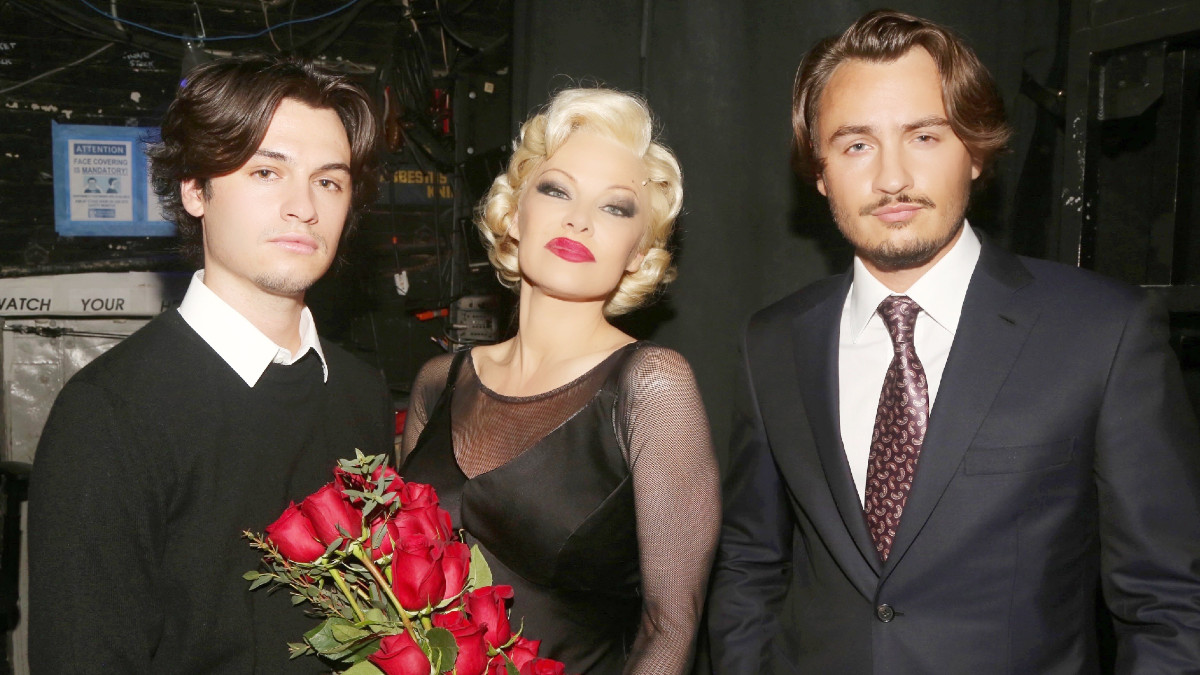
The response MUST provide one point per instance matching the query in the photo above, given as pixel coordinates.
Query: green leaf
(481, 574)
(345, 634)
(322, 638)
(378, 538)
(368, 507)
(261, 581)
(333, 546)
(297, 599)
(364, 668)
(298, 649)
(359, 653)
(375, 461)
(443, 650)
(375, 615)
(252, 575)
(386, 482)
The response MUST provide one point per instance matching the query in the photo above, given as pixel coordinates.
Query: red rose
(486, 606)
(456, 563)
(419, 513)
(417, 576)
(328, 510)
(428, 521)
(454, 621)
(523, 651)
(417, 495)
(472, 656)
(294, 536)
(540, 666)
(400, 655)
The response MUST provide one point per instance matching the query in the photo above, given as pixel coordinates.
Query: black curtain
(718, 74)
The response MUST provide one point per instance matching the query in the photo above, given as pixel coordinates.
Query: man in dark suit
(939, 456)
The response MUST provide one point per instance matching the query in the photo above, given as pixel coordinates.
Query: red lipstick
(570, 250)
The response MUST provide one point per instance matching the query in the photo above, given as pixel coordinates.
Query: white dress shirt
(245, 348)
(865, 348)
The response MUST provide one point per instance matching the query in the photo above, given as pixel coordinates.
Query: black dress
(555, 515)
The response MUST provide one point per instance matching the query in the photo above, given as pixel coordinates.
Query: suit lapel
(991, 331)
(816, 357)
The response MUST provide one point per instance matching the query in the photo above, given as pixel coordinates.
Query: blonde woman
(577, 457)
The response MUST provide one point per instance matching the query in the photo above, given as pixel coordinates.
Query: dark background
(1103, 172)
(464, 72)
(719, 75)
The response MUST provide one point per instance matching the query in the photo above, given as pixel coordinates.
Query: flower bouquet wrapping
(399, 594)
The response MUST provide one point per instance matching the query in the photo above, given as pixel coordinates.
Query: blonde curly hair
(614, 115)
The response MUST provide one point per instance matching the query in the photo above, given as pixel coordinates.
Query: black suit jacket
(1061, 452)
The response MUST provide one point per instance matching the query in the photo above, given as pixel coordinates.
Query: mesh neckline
(470, 364)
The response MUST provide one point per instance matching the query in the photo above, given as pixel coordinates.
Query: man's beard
(293, 284)
(283, 285)
(889, 256)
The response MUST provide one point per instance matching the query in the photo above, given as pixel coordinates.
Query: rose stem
(341, 583)
(387, 589)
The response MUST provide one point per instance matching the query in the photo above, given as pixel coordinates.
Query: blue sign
(102, 183)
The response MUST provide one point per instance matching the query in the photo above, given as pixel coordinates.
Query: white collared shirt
(865, 348)
(245, 348)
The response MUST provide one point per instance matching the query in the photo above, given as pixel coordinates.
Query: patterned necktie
(899, 426)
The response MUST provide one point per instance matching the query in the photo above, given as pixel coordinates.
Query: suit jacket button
(885, 613)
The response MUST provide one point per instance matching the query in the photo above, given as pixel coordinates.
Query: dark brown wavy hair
(973, 104)
(221, 114)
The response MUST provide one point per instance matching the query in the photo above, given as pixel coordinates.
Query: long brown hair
(973, 104)
(221, 114)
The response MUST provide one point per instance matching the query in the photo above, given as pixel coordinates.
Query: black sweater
(155, 458)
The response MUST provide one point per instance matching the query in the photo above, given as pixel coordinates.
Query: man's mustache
(903, 198)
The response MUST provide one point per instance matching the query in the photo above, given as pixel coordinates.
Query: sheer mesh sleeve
(431, 379)
(661, 420)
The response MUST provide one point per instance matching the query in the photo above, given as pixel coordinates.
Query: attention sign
(101, 183)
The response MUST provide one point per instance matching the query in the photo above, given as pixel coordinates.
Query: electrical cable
(68, 19)
(290, 23)
(449, 28)
(58, 21)
(57, 332)
(202, 34)
(343, 23)
(244, 36)
(267, 23)
(112, 7)
(59, 69)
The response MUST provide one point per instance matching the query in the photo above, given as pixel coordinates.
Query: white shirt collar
(245, 348)
(940, 291)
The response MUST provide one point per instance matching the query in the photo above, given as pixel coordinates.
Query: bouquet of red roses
(400, 595)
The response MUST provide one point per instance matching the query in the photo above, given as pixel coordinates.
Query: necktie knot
(899, 313)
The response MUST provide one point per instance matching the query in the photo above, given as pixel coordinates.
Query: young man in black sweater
(212, 418)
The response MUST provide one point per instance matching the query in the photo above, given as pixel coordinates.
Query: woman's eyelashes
(622, 208)
(551, 189)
